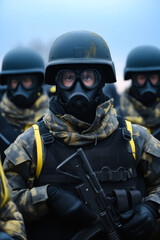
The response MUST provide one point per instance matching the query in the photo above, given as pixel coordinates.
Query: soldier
(11, 221)
(24, 101)
(123, 156)
(140, 103)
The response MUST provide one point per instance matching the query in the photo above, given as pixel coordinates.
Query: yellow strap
(149, 130)
(39, 150)
(26, 127)
(4, 186)
(129, 128)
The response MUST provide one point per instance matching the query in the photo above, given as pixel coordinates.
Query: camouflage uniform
(11, 221)
(148, 117)
(20, 162)
(136, 112)
(24, 118)
(15, 120)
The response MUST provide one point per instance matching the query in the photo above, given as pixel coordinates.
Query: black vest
(111, 160)
(8, 133)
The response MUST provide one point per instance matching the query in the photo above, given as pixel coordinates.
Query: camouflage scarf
(24, 118)
(74, 132)
(136, 112)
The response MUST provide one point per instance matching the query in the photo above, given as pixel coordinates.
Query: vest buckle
(126, 134)
(47, 138)
(108, 175)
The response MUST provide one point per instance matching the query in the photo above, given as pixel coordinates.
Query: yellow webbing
(26, 127)
(39, 150)
(129, 128)
(149, 130)
(4, 186)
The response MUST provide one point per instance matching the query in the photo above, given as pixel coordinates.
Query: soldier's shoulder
(22, 148)
(139, 130)
(26, 136)
(24, 141)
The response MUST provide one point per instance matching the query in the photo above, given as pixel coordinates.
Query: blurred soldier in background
(11, 221)
(25, 101)
(141, 102)
(111, 91)
(125, 157)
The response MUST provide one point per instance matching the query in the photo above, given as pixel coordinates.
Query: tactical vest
(8, 133)
(111, 159)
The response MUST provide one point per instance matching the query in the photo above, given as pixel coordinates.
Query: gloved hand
(69, 207)
(140, 222)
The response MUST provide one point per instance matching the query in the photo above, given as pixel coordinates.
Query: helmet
(142, 59)
(22, 61)
(80, 48)
(23, 64)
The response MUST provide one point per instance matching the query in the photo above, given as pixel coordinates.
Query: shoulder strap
(123, 124)
(4, 186)
(129, 128)
(48, 139)
(39, 150)
(149, 130)
(42, 134)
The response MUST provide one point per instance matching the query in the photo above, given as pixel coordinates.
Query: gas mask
(79, 91)
(146, 88)
(23, 90)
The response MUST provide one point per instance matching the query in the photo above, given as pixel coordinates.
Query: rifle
(92, 194)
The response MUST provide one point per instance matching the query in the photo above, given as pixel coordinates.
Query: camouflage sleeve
(11, 221)
(148, 160)
(20, 168)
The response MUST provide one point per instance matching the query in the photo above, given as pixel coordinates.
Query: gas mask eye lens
(154, 79)
(67, 78)
(88, 78)
(13, 83)
(141, 79)
(27, 82)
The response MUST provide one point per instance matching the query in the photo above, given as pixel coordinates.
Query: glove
(140, 222)
(5, 236)
(69, 207)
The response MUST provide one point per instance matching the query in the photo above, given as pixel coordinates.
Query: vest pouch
(126, 200)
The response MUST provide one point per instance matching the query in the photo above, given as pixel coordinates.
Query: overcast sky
(124, 24)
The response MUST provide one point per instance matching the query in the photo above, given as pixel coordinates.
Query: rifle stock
(92, 194)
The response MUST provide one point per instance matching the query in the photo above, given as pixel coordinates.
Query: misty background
(123, 24)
